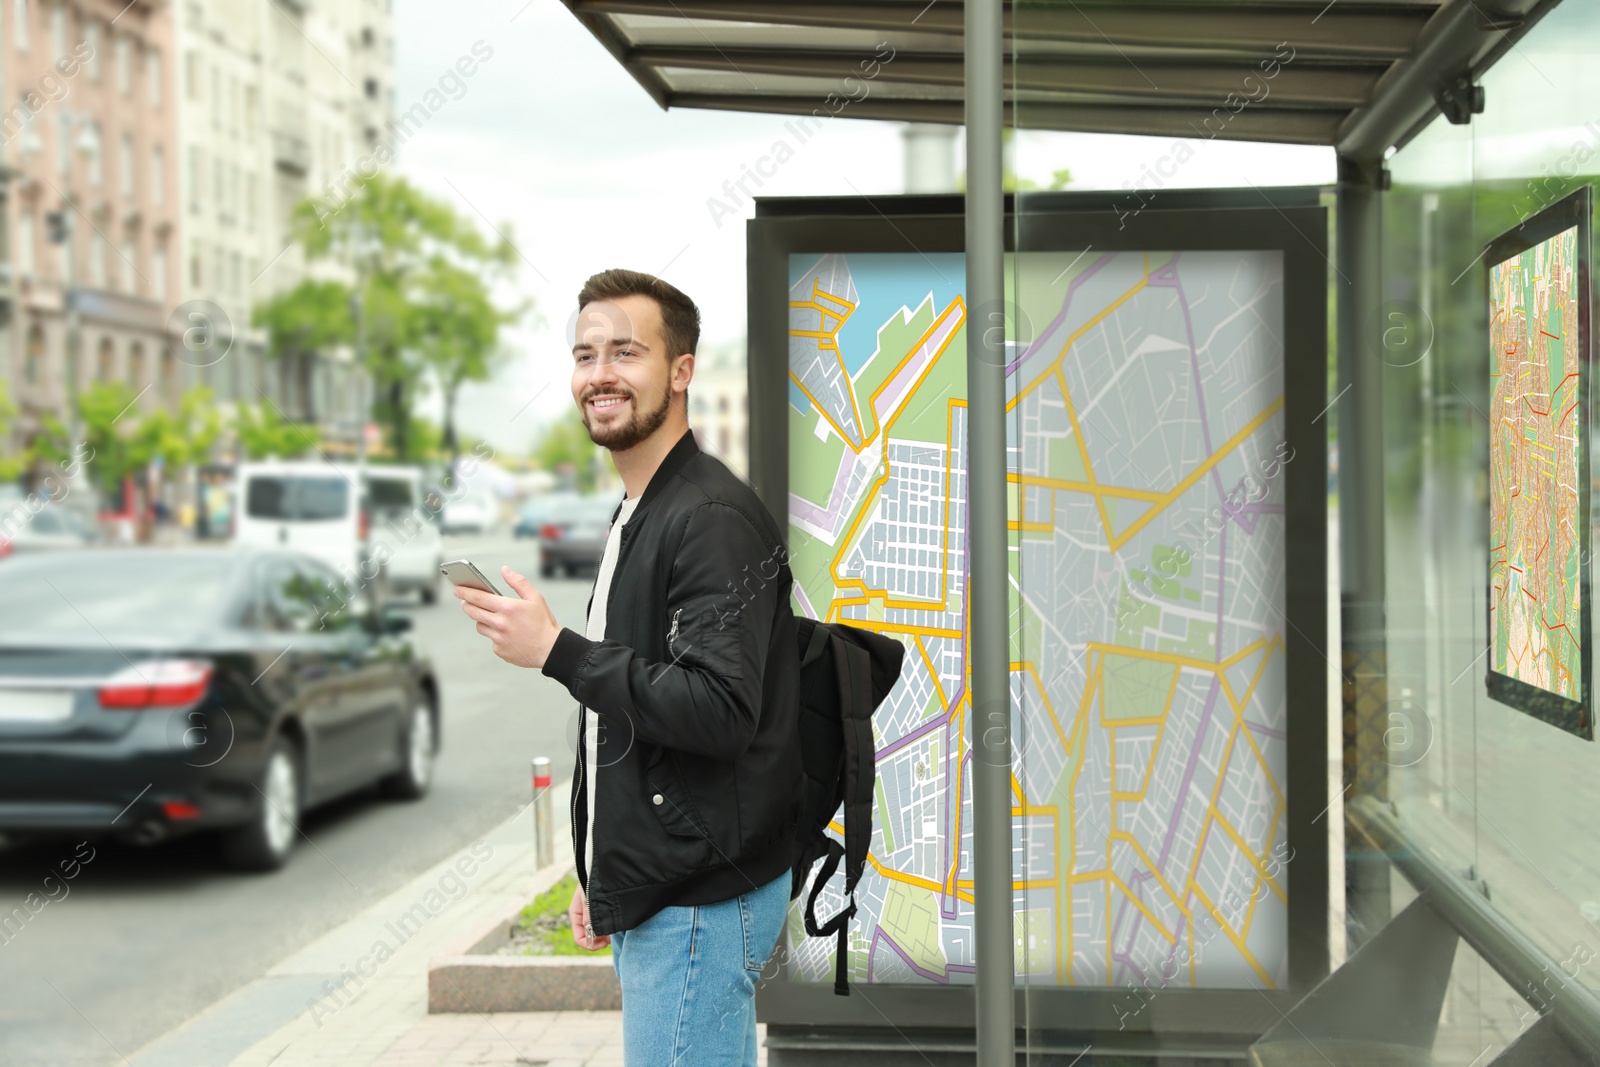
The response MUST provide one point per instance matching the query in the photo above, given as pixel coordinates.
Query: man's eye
(625, 355)
(584, 359)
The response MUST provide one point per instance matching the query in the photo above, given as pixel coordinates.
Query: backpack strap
(819, 638)
(839, 925)
(854, 669)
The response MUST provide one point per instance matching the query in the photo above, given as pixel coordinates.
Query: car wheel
(411, 781)
(548, 570)
(430, 593)
(264, 843)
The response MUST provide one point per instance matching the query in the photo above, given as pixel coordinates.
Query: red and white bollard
(543, 839)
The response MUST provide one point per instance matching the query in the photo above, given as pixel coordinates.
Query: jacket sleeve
(722, 598)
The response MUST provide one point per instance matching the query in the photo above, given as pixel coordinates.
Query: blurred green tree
(405, 249)
(566, 448)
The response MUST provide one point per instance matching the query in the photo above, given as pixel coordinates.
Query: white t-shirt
(596, 631)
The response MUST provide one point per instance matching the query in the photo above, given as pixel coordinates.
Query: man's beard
(640, 424)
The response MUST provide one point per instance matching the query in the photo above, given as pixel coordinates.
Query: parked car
(402, 522)
(539, 510)
(473, 512)
(50, 527)
(574, 538)
(149, 693)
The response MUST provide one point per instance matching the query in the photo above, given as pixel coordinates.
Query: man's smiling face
(623, 378)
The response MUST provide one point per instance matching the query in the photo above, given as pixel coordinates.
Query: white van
(406, 528)
(369, 525)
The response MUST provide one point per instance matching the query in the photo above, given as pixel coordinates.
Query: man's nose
(602, 371)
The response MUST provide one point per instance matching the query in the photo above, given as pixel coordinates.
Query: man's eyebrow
(615, 342)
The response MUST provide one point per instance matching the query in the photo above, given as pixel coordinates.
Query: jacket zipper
(672, 634)
(583, 762)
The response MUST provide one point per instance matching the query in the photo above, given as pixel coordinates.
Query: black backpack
(845, 673)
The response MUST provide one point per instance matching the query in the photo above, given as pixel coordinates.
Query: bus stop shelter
(1462, 142)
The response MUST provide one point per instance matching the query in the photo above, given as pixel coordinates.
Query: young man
(688, 781)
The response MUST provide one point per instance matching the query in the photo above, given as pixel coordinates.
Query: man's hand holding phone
(522, 627)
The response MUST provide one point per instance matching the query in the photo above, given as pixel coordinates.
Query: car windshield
(107, 597)
(387, 494)
(297, 497)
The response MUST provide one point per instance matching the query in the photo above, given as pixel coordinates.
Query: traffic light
(55, 224)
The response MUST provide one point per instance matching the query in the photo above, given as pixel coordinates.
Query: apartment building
(89, 133)
(279, 99)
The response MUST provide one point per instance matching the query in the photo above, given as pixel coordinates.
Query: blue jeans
(689, 979)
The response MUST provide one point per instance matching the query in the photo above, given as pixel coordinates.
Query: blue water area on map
(885, 281)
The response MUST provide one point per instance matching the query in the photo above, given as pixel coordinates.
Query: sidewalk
(358, 996)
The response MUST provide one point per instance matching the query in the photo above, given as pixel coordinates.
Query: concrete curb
(470, 978)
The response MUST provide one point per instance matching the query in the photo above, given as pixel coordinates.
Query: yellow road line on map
(1255, 860)
(1196, 474)
(938, 686)
(1161, 927)
(1238, 941)
(1272, 832)
(1161, 880)
(1084, 487)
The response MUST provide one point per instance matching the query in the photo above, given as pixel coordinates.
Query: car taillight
(166, 683)
(363, 525)
(6, 548)
(551, 532)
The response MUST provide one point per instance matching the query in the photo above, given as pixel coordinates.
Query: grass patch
(542, 928)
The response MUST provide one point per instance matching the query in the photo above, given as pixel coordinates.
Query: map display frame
(1293, 234)
(1540, 654)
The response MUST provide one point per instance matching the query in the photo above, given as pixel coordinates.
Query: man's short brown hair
(680, 319)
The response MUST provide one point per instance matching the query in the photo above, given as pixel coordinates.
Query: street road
(149, 937)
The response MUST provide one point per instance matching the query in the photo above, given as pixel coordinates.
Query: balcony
(291, 153)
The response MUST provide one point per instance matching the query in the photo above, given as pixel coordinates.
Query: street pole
(358, 313)
(988, 594)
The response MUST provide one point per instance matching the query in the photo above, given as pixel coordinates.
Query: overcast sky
(552, 135)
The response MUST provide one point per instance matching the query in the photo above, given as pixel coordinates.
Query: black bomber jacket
(697, 774)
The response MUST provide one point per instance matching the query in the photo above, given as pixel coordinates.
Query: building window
(105, 362)
(25, 227)
(169, 376)
(158, 272)
(130, 263)
(63, 145)
(216, 99)
(33, 359)
(124, 66)
(125, 164)
(191, 75)
(136, 366)
(58, 30)
(251, 102)
(194, 268)
(250, 201)
(97, 261)
(19, 11)
(196, 168)
(158, 184)
(372, 88)
(152, 63)
(218, 190)
(97, 168)
(91, 38)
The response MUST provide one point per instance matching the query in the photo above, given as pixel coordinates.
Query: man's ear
(682, 372)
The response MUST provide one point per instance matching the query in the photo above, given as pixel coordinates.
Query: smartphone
(462, 572)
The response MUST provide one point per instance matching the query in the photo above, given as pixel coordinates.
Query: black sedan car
(146, 693)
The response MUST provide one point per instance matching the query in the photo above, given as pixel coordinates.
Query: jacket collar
(682, 452)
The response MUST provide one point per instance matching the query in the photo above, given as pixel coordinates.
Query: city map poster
(1148, 656)
(1538, 598)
